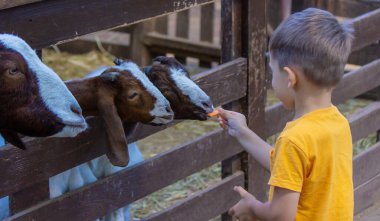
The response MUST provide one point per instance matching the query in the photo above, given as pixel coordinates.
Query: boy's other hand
(232, 121)
(242, 211)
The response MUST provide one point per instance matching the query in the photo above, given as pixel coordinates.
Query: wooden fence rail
(243, 83)
(64, 154)
(63, 20)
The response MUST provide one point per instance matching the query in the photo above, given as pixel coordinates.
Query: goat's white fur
(188, 87)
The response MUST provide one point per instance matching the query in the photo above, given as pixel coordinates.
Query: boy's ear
(292, 77)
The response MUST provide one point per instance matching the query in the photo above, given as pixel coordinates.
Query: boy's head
(313, 43)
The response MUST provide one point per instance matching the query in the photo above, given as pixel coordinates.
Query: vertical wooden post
(254, 48)
(231, 48)
(182, 29)
(139, 52)
(31, 195)
(161, 25)
(207, 28)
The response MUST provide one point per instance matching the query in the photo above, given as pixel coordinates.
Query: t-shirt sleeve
(289, 166)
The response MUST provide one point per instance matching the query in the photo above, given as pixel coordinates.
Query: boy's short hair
(313, 40)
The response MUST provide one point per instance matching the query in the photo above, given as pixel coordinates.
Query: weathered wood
(231, 48)
(352, 8)
(182, 47)
(126, 186)
(365, 34)
(353, 84)
(68, 19)
(367, 194)
(4, 4)
(365, 121)
(207, 23)
(366, 165)
(29, 196)
(161, 25)
(139, 52)
(44, 158)
(255, 46)
(182, 25)
(60, 154)
(205, 204)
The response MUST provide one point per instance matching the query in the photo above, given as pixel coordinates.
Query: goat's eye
(13, 71)
(132, 96)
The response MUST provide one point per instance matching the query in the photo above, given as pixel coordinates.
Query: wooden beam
(367, 194)
(365, 34)
(366, 165)
(365, 121)
(182, 47)
(205, 204)
(255, 47)
(60, 154)
(62, 20)
(131, 184)
(4, 4)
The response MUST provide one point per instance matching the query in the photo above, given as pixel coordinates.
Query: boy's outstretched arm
(236, 124)
(283, 206)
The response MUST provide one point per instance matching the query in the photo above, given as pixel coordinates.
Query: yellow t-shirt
(313, 156)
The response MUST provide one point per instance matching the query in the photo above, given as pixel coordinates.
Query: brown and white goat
(121, 95)
(188, 100)
(33, 99)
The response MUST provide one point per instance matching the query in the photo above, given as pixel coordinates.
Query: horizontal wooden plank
(60, 154)
(205, 204)
(49, 22)
(160, 43)
(367, 194)
(366, 165)
(352, 8)
(365, 34)
(353, 84)
(365, 121)
(14, 3)
(126, 186)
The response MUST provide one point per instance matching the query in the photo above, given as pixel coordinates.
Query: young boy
(311, 162)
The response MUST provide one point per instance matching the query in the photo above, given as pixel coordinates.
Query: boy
(311, 162)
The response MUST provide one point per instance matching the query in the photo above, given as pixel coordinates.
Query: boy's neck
(311, 100)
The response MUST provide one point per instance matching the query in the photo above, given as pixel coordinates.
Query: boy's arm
(236, 125)
(283, 206)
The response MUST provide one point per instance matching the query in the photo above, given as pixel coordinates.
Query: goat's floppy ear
(13, 138)
(118, 151)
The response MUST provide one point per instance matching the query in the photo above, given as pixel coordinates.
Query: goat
(130, 98)
(186, 98)
(34, 101)
(121, 94)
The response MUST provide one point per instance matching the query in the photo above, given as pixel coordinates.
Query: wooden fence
(25, 174)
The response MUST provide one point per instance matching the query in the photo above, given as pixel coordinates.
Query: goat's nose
(76, 109)
(207, 105)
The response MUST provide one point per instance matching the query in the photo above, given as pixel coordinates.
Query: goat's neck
(84, 91)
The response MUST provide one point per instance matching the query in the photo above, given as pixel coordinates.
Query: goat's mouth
(71, 129)
(161, 120)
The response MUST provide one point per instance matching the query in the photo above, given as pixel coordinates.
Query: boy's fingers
(242, 192)
(224, 113)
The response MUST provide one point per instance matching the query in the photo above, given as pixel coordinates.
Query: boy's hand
(242, 211)
(232, 121)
